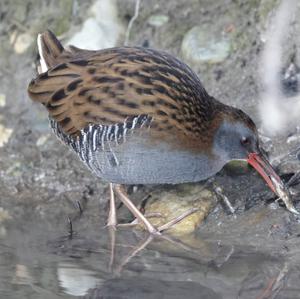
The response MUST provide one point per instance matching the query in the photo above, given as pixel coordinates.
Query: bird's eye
(245, 141)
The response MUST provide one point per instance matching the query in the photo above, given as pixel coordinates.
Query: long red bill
(265, 169)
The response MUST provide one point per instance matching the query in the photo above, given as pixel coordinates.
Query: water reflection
(44, 265)
(76, 281)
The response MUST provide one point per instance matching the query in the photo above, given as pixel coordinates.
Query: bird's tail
(50, 49)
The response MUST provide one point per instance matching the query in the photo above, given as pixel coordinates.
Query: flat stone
(201, 45)
(168, 205)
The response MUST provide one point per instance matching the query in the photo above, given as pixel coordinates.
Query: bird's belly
(137, 163)
(166, 168)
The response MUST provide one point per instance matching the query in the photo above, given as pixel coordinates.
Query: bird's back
(82, 87)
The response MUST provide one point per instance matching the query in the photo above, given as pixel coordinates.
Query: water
(37, 262)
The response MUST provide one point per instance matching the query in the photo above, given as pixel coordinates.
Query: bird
(138, 115)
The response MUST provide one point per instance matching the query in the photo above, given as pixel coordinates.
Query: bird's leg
(112, 217)
(165, 226)
(134, 210)
(112, 238)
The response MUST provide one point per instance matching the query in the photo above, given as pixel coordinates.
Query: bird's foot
(135, 211)
(136, 222)
(177, 219)
(165, 226)
(141, 218)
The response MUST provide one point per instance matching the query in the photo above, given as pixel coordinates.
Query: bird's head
(236, 138)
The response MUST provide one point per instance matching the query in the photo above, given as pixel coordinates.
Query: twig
(79, 207)
(225, 199)
(136, 14)
(177, 219)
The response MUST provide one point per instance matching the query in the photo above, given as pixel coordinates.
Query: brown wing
(108, 86)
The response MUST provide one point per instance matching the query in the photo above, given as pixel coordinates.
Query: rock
(5, 134)
(169, 205)
(101, 30)
(201, 45)
(293, 138)
(265, 142)
(158, 20)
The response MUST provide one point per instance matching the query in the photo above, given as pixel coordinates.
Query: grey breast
(120, 153)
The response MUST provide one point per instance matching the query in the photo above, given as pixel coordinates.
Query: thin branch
(130, 24)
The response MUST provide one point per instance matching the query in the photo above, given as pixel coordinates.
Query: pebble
(266, 143)
(5, 134)
(158, 20)
(42, 140)
(200, 45)
(273, 206)
(23, 42)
